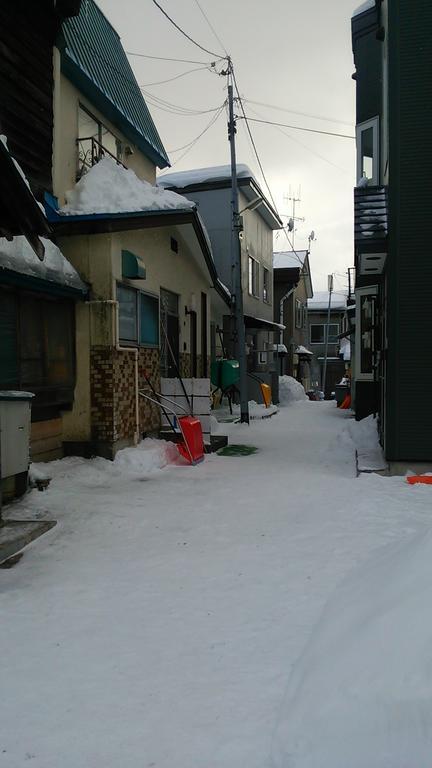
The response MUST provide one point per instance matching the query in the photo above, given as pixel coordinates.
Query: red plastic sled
(415, 479)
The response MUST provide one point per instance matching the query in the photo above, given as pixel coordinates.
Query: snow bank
(290, 390)
(361, 694)
(110, 188)
(144, 459)
(18, 255)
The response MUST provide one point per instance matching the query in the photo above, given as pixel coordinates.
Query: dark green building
(392, 368)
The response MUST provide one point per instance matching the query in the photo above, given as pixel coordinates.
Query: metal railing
(90, 151)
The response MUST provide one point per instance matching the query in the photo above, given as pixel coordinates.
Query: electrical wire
(176, 77)
(300, 143)
(211, 26)
(191, 143)
(185, 34)
(294, 112)
(246, 119)
(168, 106)
(164, 58)
(197, 138)
(302, 128)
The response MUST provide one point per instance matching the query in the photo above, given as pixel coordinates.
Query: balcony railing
(370, 216)
(90, 151)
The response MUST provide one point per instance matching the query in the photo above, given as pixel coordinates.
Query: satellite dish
(290, 225)
(312, 235)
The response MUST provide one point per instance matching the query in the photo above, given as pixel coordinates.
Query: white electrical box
(15, 418)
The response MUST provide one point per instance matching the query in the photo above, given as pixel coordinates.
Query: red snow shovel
(191, 447)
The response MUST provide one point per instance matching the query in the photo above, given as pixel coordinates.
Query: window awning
(261, 324)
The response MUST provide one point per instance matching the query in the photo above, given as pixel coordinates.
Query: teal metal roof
(93, 58)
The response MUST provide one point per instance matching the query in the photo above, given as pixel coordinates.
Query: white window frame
(360, 128)
(266, 287)
(369, 290)
(253, 290)
(323, 325)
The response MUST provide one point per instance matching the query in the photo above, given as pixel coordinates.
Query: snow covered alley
(158, 624)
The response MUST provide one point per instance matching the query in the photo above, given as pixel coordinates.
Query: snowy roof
(110, 188)
(320, 300)
(366, 6)
(301, 350)
(18, 256)
(183, 179)
(289, 259)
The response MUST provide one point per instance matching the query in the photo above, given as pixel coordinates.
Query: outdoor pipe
(281, 310)
(119, 348)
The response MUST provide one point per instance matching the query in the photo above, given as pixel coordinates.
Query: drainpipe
(119, 348)
(281, 311)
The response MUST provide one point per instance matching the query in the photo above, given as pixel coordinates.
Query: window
(37, 351)
(95, 140)
(253, 266)
(138, 316)
(367, 137)
(318, 333)
(365, 333)
(298, 314)
(266, 285)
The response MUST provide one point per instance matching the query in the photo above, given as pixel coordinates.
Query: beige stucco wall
(98, 261)
(66, 104)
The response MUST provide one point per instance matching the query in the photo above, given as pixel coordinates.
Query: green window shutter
(8, 342)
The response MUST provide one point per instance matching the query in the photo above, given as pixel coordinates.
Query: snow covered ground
(199, 617)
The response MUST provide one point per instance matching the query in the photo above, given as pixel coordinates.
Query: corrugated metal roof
(93, 58)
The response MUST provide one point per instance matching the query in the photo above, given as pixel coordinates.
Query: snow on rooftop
(203, 175)
(18, 255)
(110, 188)
(366, 6)
(320, 300)
(289, 259)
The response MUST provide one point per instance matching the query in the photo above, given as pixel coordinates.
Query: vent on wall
(372, 263)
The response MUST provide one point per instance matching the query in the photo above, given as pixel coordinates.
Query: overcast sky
(292, 54)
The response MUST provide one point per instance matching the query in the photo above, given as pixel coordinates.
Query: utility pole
(237, 298)
(330, 290)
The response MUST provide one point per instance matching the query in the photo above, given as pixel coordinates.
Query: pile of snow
(203, 175)
(361, 693)
(110, 188)
(135, 462)
(18, 255)
(290, 390)
(345, 350)
(362, 437)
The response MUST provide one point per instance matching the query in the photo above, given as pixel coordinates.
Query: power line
(168, 106)
(294, 112)
(191, 143)
(211, 26)
(164, 58)
(176, 77)
(185, 34)
(197, 138)
(301, 128)
(300, 143)
(246, 119)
